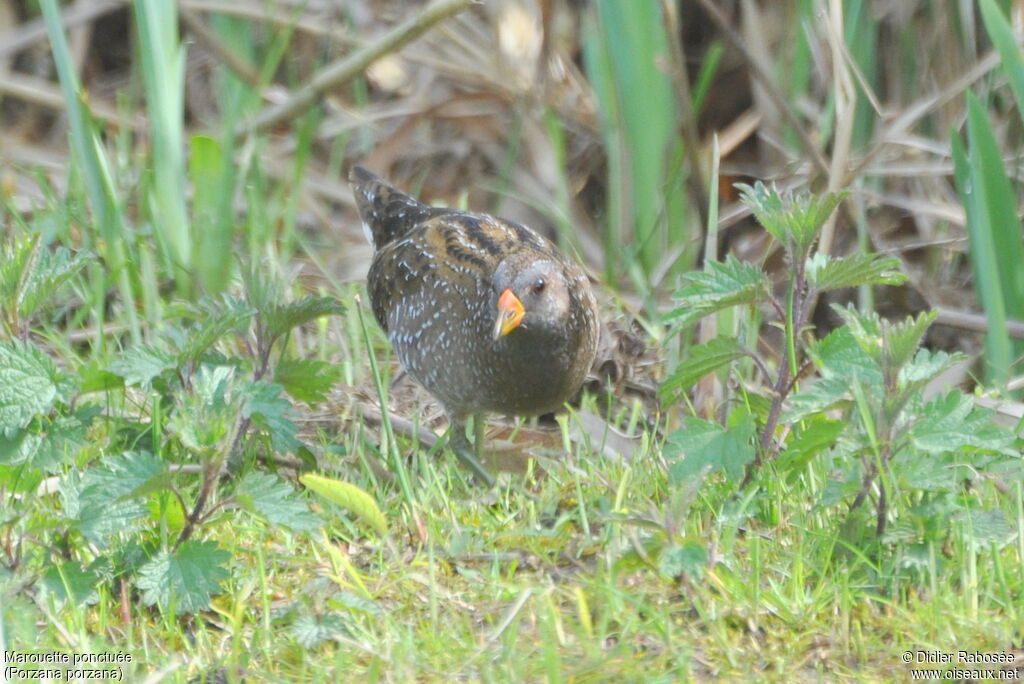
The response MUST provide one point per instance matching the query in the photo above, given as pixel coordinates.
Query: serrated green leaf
(926, 366)
(55, 444)
(848, 354)
(702, 359)
(122, 474)
(719, 285)
(826, 273)
(312, 630)
(811, 438)
(208, 417)
(184, 579)
(214, 319)
(307, 380)
(792, 219)
(865, 329)
(985, 529)
(276, 501)
(281, 318)
(30, 274)
(817, 396)
(953, 422)
(689, 558)
(30, 384)
(349, 497)
(104, 500)
(903, 338)
(139, 365)
(702, 446)
(926, 472)
(272, 412)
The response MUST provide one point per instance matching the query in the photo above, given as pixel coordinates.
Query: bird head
(532, 294)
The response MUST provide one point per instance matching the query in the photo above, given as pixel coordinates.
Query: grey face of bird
(531, 296)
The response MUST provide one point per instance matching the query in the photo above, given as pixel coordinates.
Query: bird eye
(539, 286)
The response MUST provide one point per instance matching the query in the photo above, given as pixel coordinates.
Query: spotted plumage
(438, 284)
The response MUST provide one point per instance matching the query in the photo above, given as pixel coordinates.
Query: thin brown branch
(347, 68)
(41, 92)
(968, 320)
(76, 14)
(215, 45)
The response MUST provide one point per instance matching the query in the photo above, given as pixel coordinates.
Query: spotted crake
(486, 314)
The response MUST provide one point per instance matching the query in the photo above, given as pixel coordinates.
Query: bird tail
(387, 213)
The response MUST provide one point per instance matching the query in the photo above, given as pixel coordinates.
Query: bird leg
(470, 455)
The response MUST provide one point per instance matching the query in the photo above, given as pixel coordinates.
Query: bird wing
(450, 255)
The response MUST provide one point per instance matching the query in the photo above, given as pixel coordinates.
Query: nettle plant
(851, 405)
(112, 467)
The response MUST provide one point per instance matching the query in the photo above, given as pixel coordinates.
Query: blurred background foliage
(607, 124)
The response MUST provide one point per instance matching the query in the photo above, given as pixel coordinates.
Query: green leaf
(985, 529)
(812, 438)
(276, 501)
(349, 497)
(903, 338)
(719, 285)
(214, 319)
(1003, 38)
(994, 233)
(138, 365)
(918, 470)
(817, 396)
(273, 413)
(702, 446)
(312, 630)
(69, 579)
(850, 352)
(93, 378)
(208, 417)
(825, 273)
(30, 274)
(626, 52)
(50, 447)
(307, 380)
(184, 579)
(689, 558)
(953, 422)
(281, 318)
(30, 384)
(925, 367)
(793, 219)
(104, 501)
(702, 359)
(163, 77)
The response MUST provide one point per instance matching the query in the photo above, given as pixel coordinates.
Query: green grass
(153, 432)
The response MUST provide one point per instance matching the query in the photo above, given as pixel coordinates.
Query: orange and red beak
(510, 314)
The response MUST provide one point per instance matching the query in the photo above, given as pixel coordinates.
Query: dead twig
(217, 46)
(76, 14)
(350, 66)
